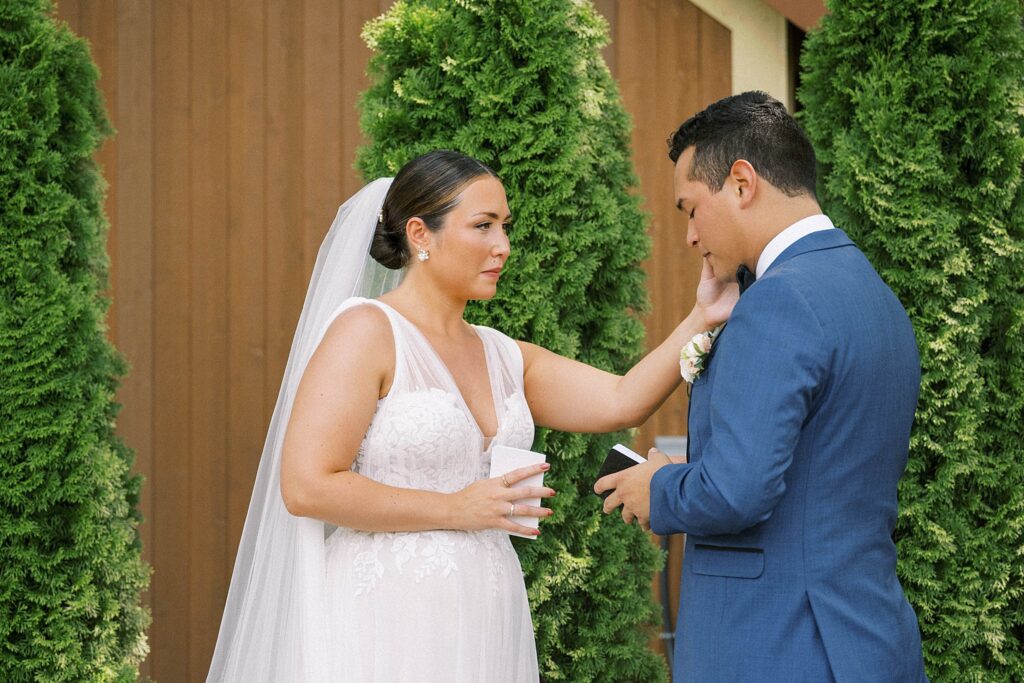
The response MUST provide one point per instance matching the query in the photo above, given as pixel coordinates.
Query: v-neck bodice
(423, 434)
(454, 385)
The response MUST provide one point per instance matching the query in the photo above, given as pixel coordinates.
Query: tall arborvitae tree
(520, 85)
(915, 109)
(70, 566)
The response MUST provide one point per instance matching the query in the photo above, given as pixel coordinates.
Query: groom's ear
(743, 182)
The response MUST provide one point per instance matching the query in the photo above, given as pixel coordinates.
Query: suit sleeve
(772, 363)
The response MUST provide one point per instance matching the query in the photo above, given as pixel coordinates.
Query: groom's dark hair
(753, 126)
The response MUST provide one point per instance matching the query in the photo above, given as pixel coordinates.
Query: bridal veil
(274, 626)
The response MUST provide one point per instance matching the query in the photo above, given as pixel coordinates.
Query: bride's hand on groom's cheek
(631, 488)
(715, 298)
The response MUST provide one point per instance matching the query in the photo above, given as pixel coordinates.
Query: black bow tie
(744, 277)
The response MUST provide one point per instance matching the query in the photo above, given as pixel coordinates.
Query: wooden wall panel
(237, 133)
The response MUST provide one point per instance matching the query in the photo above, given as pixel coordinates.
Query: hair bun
(387, 248)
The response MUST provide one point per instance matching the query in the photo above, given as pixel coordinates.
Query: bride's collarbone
(464, 359)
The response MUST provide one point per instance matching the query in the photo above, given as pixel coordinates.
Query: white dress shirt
(782, 241)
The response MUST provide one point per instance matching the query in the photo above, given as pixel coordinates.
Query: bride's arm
(333, 408)
(571, 396)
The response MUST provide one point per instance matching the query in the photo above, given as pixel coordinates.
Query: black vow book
(619, 458)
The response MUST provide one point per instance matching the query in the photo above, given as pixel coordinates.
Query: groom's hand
(632, 489)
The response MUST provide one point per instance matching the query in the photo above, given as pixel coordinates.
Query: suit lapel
(816, 241)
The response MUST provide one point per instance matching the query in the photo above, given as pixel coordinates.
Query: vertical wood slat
(715, 67)
(172, 371)
(677, 64)
(637, 24)
(207, 518)
(322, 105)
(354, 58)
(668, 300)
(283, 187)
(99, 24)
(247, 419)
(132, 251)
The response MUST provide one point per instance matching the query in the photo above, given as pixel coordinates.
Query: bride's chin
(483, 294)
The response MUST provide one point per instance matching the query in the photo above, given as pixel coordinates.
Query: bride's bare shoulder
(363, 326)
(358, 346)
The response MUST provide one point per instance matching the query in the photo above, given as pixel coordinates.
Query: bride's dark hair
(427, 188)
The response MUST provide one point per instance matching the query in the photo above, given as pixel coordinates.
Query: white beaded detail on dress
(440, 605)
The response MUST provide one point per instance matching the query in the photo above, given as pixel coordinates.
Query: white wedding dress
(445, 606)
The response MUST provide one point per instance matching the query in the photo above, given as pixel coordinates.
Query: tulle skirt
(444, 606)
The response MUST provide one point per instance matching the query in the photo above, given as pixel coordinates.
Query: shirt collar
(782, 241)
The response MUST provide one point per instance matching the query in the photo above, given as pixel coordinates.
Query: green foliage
(520, 85)
(70, 567)
(916, 111)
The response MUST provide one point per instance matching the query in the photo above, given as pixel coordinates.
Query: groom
(799, 427)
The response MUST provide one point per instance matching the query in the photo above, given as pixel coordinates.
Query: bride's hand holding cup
(491, 503)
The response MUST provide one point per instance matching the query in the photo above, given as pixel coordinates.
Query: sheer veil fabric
(275, 623)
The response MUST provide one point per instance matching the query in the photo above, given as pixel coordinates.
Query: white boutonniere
(694, 354)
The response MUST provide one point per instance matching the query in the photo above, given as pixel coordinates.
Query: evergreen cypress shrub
(520, 85)
(70, 565)
(916, 112)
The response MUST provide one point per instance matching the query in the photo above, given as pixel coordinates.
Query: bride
(376, 548)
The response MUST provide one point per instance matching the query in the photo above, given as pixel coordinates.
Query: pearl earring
(423, 254)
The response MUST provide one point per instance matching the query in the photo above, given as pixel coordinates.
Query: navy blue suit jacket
(799, 432)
